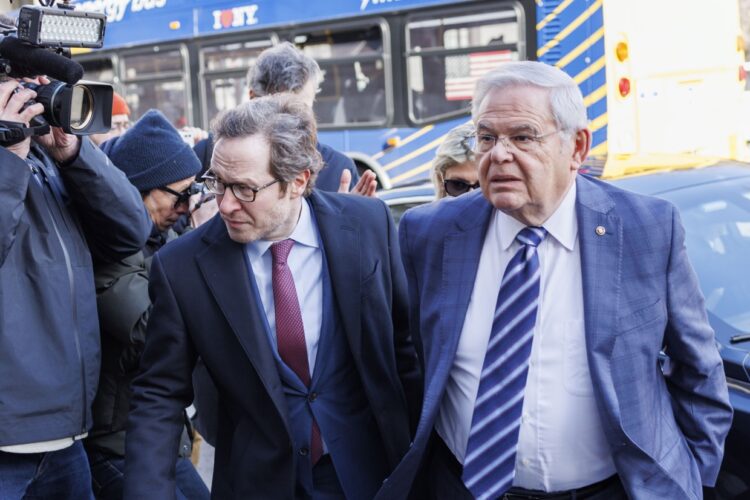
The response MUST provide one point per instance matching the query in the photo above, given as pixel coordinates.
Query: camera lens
(81, 107)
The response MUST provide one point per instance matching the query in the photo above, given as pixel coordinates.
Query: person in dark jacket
(162, 167)
(285, 69)
(62, 204)
(281, 69)
(325, 421)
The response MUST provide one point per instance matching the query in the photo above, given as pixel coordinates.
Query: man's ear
(581, 148)
(299, 184)
(251, 94)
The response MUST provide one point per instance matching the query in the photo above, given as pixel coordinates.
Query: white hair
(566, 100)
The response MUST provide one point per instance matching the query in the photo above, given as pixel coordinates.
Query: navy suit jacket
(203, 306)
(664, 424)
(334, 164)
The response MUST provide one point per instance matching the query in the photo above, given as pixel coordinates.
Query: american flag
(459, 83)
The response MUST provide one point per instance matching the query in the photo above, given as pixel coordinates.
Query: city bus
(659, 78)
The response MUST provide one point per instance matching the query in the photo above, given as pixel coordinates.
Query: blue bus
(398, 74)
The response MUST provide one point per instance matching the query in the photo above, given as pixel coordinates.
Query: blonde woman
(454, 169)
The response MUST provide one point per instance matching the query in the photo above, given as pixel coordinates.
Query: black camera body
(73, 107)
(39, 46)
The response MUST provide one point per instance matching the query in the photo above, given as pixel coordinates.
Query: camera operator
(62, 203)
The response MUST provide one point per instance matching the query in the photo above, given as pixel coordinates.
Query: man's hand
(12, 110)
(61, 146)
(203, 207)
(365, 187)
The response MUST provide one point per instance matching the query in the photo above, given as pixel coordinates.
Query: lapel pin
(600, 231)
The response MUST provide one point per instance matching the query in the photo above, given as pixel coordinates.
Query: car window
(718, 243)
(398, 209)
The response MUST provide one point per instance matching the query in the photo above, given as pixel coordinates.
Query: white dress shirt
(306, 264)
(561, 443)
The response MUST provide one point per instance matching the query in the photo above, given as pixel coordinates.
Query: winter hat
(119, 106)
(152, 153)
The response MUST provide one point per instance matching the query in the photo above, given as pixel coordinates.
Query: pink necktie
(290, 331)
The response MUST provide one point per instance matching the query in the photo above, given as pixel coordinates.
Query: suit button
(304, 451)
(312, 396)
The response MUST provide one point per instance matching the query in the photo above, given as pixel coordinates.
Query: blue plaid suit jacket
(665, 422)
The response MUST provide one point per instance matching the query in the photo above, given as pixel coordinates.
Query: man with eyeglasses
(543, 302)
(295, 300)
(162, 167)
(282, 69)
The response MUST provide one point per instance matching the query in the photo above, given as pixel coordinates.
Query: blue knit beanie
(152, 153)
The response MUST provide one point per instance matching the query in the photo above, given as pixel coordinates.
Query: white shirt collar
(304, 233)
(561, 225)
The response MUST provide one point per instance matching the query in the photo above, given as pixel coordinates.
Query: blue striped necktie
(490, 459)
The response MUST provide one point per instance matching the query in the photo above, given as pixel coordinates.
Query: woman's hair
(455, 149)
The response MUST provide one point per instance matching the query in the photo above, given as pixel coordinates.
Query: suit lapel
(462, 249)
(600, 237)
(340, 238)
(225, 270)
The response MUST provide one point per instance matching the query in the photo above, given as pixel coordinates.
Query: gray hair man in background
(284, 68)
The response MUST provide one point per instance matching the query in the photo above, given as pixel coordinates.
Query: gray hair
(565, 98)
(454, 150)
(282, 68)
(288, 126)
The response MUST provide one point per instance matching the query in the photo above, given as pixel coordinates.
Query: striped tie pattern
(489, 464)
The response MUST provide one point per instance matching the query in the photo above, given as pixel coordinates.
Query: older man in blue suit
(542, 304)
(296, 302)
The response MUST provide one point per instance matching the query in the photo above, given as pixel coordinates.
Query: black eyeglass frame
(183, 197)
(464, 187)
(209, 180)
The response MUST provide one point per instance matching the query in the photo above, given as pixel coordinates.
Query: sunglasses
(456, 187)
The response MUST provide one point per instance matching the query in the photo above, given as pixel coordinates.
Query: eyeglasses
(526, 143)
(242, 192)
(183, 197)
(457, 187)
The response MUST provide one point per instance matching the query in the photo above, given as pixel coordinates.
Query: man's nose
(502, 150)
(227, 202)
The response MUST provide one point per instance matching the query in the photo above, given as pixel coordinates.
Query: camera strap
(14, 132)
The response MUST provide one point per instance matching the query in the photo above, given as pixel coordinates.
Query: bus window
(156, 80)
(144, 65)
(353, 90)
(224, 72)
(446, 55)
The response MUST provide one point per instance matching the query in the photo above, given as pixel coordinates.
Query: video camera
(40, 44)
